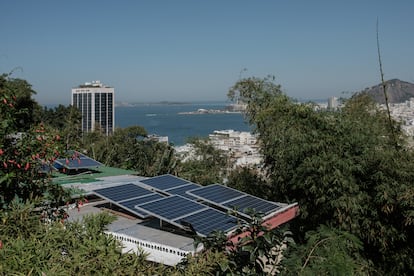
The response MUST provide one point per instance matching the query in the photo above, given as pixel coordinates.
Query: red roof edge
(272, 221)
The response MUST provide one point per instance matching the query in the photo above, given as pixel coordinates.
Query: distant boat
(150, 115)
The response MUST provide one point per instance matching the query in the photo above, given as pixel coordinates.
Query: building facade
(96, 103)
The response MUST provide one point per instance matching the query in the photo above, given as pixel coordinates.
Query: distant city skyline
(152, 51)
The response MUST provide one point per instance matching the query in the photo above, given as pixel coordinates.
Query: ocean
(164, 119)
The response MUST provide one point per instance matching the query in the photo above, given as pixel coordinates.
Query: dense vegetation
(350, 172)
(346, 170)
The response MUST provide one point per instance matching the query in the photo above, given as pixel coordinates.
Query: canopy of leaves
(249, 181)
(205, 164)
(258, 251)
(17, 94)
(128, 148)
(326, 252)
(67, 120)
(30, 247)
(343, 168)
(24, 146)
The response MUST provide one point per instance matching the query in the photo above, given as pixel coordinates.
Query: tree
(19, 93)
(249, 181)
(67, 120)
(341, 167)
(29, 246)
(205, 164)
(129, 148)
(24, 147)
(327, 251)
(257, 252)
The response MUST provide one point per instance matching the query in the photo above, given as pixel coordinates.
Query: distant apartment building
(96, 103)
(333, 103)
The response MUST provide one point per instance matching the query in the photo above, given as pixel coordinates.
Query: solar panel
(184, 212)
(232, 199)
(130, 204)
(164, 182)
(127, 196)
(76, 161)
(250, 202)
(172, 207)
(181, 190)
(209, 220)
(122, 192)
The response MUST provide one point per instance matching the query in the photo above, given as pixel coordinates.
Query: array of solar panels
(234, 200)
(173, 200)
(127, 196)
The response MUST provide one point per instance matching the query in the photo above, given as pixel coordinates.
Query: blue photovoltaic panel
(183, 212)
(130, 203)
(232, 199)
(216, 193)
(246, 203)
(122, 192)
(164, 182)
(171, 208)
(76, 161)
(127, 196)
(209, 220)
(181, 190)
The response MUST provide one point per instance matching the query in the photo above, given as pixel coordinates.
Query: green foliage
(249, 181)
(16, 94)
(24, 146)
(67, 120)
(341, 167)
(205, 165)
(128, 148)
(326, 252)
(208, 262)
(257, 252)
(75, 248)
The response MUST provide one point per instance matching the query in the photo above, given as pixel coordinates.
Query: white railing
(159, 253)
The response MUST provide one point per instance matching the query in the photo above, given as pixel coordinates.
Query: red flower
(1, 151)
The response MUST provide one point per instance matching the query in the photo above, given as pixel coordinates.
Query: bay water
(166, 119)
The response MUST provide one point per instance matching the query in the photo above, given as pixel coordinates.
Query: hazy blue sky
(195, 50)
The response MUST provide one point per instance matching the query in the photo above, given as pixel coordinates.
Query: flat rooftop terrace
(147, 230)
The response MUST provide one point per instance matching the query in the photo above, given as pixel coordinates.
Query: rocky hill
(398, 91)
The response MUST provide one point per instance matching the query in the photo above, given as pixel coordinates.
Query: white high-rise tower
(96, 102)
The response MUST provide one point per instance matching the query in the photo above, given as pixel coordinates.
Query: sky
(196, 50)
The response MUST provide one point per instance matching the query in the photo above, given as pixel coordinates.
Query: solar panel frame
(171, 208)
(122, 192)
(225, 197)
(182, 190)
(215, 194)
(125, 196)
(244, 204)
(77, 161)
(209, 220)
(190, 212)
(131, 203)
(164, 182)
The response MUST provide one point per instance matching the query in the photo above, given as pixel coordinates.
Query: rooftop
(162, 214)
